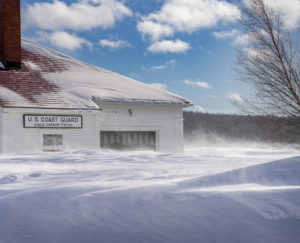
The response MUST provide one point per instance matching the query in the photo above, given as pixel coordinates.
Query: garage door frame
(120, 139)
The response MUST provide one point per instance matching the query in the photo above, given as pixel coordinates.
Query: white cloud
(198, 84)
(241, 40)
(171, 62)
(226, 34)
(159, 85)
(204, 50)
(155, 30)
(67, 41)
(234, 96)
(186, 16)
(165, 46)
(236, 35)
(80, 15)
(290, 10)
(135, 75)
(196, 108)
(160, 67)
(113, 44)
(199, 108)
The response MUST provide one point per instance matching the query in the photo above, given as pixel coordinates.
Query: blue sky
(184, 46)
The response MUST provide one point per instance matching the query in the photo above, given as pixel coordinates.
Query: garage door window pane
(130, 140)
(52, 139)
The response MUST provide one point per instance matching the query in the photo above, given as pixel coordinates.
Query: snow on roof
(49, 79)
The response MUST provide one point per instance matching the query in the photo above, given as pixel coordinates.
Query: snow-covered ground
(209, 194)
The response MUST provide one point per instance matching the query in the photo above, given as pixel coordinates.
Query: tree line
(270, 129)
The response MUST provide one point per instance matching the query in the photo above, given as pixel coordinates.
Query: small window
(52, 140)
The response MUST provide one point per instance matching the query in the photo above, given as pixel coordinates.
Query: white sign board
(52, 121)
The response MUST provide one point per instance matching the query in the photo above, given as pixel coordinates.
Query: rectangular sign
(52, 121)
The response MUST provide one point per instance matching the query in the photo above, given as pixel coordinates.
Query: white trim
(99, 102)
(49, 111)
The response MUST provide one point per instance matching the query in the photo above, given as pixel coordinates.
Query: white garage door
(129, 140)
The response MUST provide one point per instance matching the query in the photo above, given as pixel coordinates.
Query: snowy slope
(206, 195)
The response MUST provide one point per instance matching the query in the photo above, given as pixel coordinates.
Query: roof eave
(158, 103)
(50, 108)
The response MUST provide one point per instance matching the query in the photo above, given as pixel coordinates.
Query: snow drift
(214, 195)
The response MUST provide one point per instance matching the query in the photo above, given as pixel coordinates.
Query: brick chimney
(10, 34)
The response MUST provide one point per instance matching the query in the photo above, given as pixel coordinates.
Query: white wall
(166, 120)
(17, 139)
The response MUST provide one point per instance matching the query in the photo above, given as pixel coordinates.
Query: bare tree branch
(270, 63)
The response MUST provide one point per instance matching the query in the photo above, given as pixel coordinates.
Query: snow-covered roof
(49, 79)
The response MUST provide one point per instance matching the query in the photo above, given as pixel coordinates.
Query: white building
(54, 102)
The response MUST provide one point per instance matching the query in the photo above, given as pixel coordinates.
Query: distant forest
(206, 127)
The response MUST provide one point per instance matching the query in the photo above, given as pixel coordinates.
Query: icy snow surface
(208, 194)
